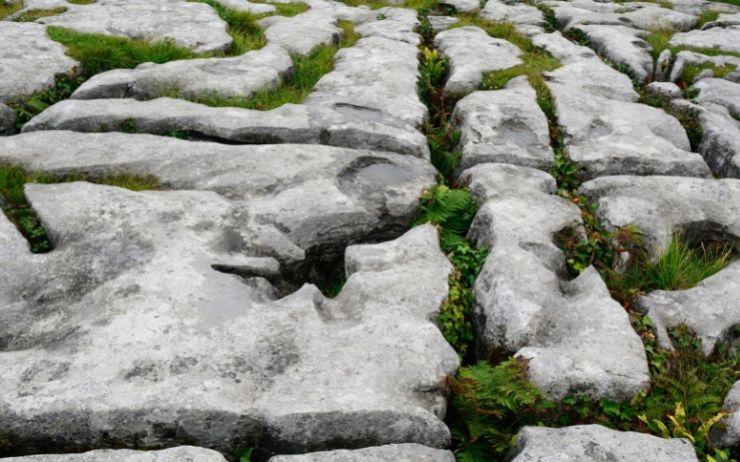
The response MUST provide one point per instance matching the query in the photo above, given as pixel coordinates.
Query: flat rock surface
(623, 46)
(718, 38)
(392, 452)
(29, 60)
(472, 53)
(178, 454)
(596, 443)
(505, 126)
(730, 436)
(180, 338)
(7, 120)
(721, 92)
(192, 25)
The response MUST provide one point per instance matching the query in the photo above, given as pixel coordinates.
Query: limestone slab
(394, 452)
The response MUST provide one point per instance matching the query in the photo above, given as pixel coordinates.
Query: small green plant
(307, 70)
(32, 15)
(691, 71)
(707, 16)
(18, 210)
(244, 454)
(63, 87)
(453, 210)
(9, 8)
(659, 41)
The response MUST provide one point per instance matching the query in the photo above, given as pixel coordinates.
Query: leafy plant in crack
(453, 210)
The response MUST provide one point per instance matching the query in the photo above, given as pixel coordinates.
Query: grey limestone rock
(391, 452)
(139, 328)
(610, 137)
(192, 25)
(473, 52)
(730, 435)
(519, 14)
(29, 60)
(299, 198)
(623, 46)
(721, 92)
(236, 77)
(711, 309)
(7, 120)
(504, 126)
(661, 206)
(440, 23)
(691, 58)
(301, 34)
(245, 5)
(596, 443)
(177, 454)
(718, 38)
(392, 23)
(575, 336)
(289, 123)
(720, 141)
(463, 6)
(666, 89)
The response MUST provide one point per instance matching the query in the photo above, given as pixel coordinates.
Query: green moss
(81, 2)
(307, 70)
(290, 9)
(32, 15)
(19, 211)
(7, 9)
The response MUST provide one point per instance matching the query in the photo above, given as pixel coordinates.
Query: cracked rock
(237, 77)
(7, 120)
(575, 336)
(730, 435)
(127, 332)
(661, 206)
(711, 309)
(623, 46)
(721, 92)
(505, 126)
(719, 38)
(472, 53)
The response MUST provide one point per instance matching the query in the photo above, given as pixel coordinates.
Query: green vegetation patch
(688, 117)
(691, 71)
(243, 28)
(7, 9)
(99, 53)
(307, 70)
(491, 403)
(18, 210)
(32, 15)
(453, 210)
(63, 88)
(81, 2)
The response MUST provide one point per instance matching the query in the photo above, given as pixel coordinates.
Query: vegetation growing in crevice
(19, 211)
(7, 9)
(307, 70)
(687, 117)
(242, 26)
(63, 88)
(81, 2)
(32, 15)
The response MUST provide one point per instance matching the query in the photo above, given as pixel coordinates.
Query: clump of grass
(681, 267)
(422, 5)
(307, 70)
(7, 9)
(290, 9)
(243, 28)
(659, 41)
(707, 16)
(81, 2)
(32, 15)
(18, 210)
(99, 53)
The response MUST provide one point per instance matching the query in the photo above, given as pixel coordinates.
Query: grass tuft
(99, 53)
(7, 9)
(81, 2)
(32, 15)
(307, 70)
(690, 72)
(18, 210)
